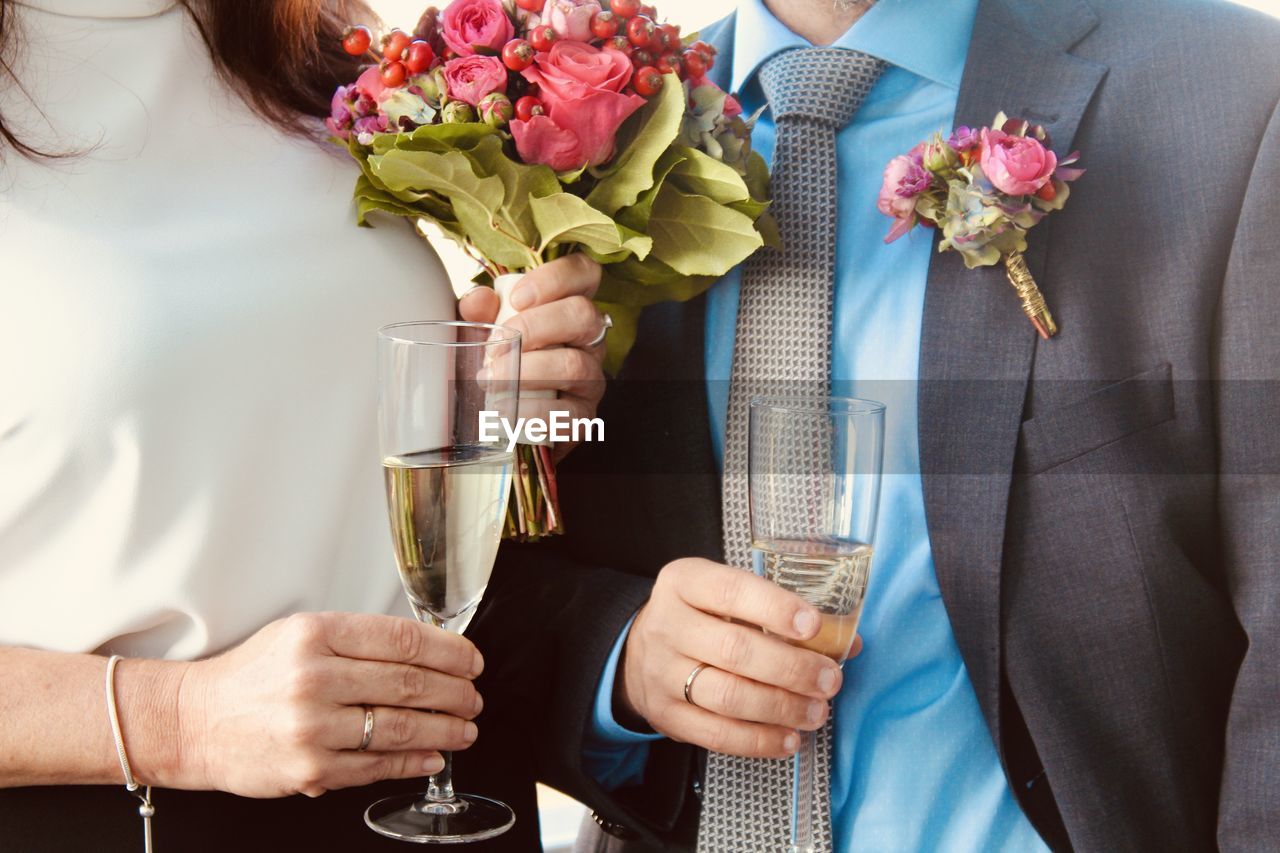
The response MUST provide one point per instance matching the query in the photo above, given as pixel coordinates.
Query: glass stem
(440, 786)
(804, 806)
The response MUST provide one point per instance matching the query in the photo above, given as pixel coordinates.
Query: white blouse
(187, 375)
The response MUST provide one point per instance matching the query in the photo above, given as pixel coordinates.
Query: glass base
(414, 818)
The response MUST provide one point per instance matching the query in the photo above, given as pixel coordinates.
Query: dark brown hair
(282, 56)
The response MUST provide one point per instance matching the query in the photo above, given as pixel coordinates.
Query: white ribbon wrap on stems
(503, 285)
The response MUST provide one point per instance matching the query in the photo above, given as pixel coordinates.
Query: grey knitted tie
(783, 345)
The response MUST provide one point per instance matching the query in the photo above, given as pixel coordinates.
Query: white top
(187, 350)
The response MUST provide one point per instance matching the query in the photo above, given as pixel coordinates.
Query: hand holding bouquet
(528, 129)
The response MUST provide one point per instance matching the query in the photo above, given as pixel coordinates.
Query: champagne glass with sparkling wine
(814, 478)
(447, 498)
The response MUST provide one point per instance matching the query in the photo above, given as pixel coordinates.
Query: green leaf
(520, 184)
(647, 282)
(440, 138)
(476, 199)
(757, 177)
(622, 337)
(696, 236)
(701, 174)
(654, 131)
(565, 218)
(637, 215)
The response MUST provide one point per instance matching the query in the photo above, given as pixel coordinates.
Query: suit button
(617, 830)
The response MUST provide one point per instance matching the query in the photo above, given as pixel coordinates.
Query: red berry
(648, 81)
(530, 5)
(528, 107)
(625, 8)
(517, 55)
(669, 63)
(648, 11)
(394, 44)
(393, 73)
(542, 37)
(1048, 192)
(673, 36)
(620, 43)
(641, 58)
(694, 64)
(418, 57)
(604, 25)
(640, 31)
(356, 40)
(703, 48)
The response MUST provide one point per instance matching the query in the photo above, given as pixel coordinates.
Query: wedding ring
(606, 323)
(367, 738)
(688, 682)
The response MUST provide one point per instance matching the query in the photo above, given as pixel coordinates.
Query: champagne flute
(814, 480)
(447, 498)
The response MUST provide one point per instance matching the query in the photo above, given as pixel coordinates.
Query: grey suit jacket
(1103, 507)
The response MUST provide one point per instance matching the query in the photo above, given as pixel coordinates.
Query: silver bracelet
(147, 810)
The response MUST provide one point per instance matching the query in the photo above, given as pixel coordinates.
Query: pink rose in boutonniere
(1017, 165)
(983, 188)
(905, 178)
(476, 26)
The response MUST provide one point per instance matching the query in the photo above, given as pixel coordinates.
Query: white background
(560, 815)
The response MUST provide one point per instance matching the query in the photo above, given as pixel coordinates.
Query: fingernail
(816, 710)
(470, 732)
(827, 679)
(479, 704)
(806, 622)
(433, 765)
(477, 665)
(521, 297)
(791, 742)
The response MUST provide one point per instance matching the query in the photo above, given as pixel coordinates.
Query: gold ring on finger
(367, 737)
(688, 682)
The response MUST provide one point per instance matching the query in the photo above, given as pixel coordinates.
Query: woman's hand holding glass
(284, 712)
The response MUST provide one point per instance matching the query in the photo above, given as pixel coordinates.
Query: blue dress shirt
(914, 767)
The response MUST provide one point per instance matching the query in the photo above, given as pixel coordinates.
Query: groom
(1072, 633)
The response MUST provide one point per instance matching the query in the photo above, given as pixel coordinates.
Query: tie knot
(822, 84)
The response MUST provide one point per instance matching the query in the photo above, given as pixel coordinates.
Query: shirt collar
(101, 8)
(929, 38)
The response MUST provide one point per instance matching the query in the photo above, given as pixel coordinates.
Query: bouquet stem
(533, 512)
(1033, 304)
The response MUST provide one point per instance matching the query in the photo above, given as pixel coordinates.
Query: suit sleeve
(1248, 404)
(560, 619)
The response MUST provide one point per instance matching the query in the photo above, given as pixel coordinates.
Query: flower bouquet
(528, 129)
(984, 188)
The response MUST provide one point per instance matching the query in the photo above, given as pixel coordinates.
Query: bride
(187, 451)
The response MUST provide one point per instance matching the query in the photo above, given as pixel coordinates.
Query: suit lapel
(977, 348)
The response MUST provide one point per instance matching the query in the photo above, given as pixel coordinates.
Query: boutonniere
(984, 188)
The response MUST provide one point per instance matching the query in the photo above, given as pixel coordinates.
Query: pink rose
(469, 26)
(580, 88)
(1017, 165)
(904, 179)
(571, 19)
(470, 78)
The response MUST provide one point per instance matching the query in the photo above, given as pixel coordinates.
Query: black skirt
(104, 819)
